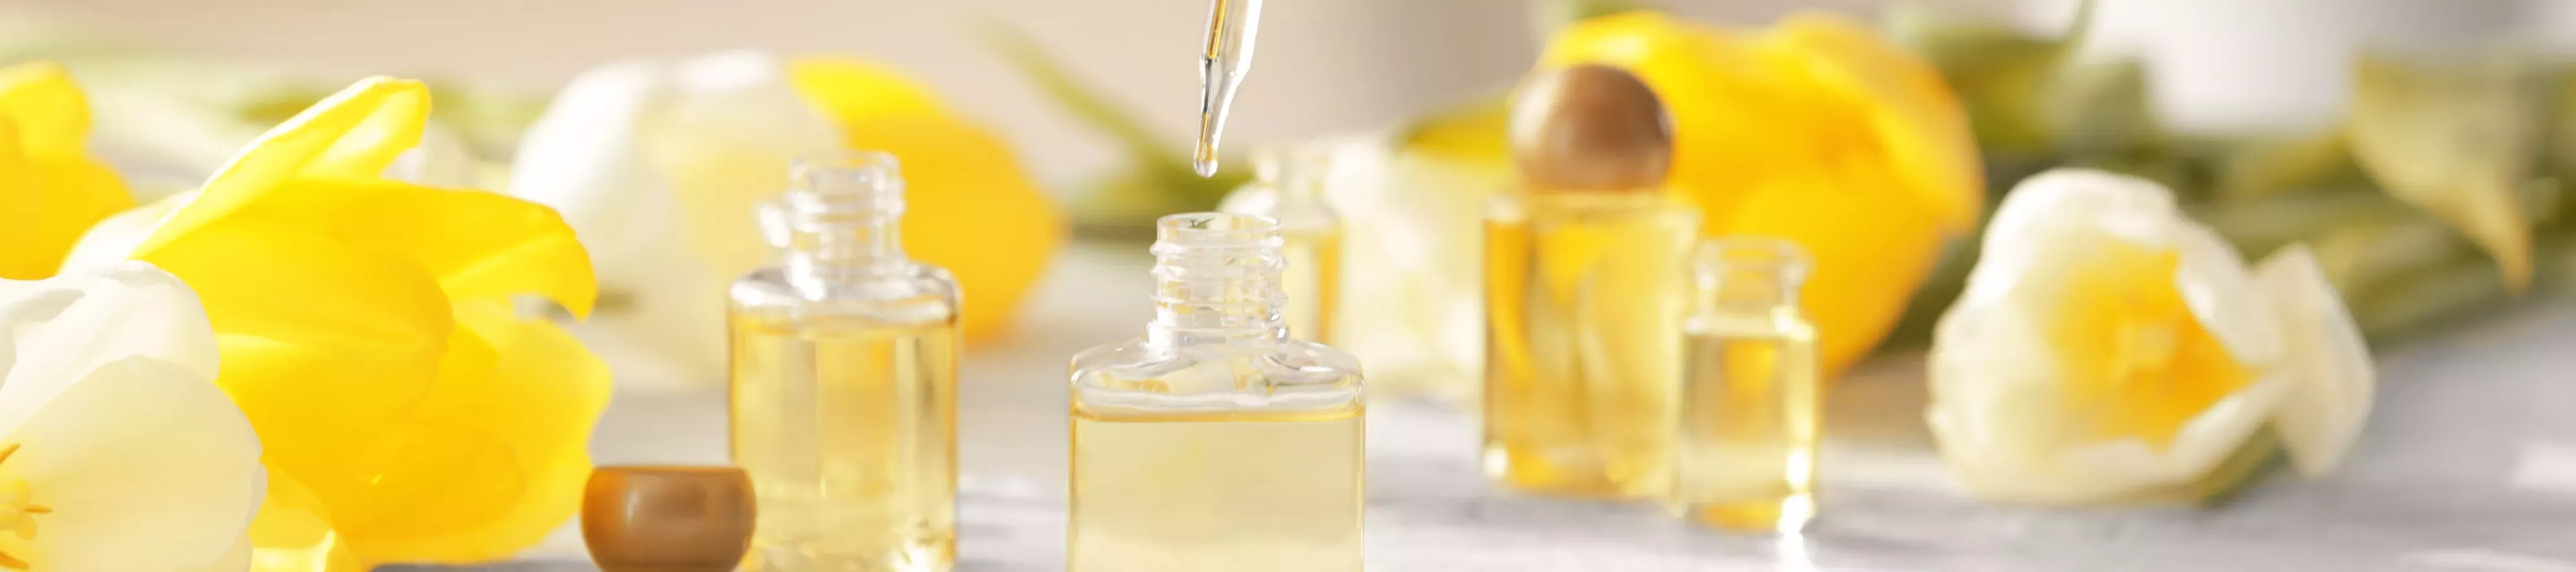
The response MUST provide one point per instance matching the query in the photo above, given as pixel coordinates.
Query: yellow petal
(352, 134)
(852, 90)
(50, 189)
(321, 342)
(970, 209)
(294, 534)
(540, 403)
(51, 114)
(477, 245)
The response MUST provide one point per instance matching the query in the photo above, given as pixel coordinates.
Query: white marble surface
(2469, 464)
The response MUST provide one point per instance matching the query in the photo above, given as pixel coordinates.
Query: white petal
(235, 559)
(2332, 380)
(2220, 290)
(658, 167)
(112, 239)
(147, 465)
(58, 330)
(440, 160)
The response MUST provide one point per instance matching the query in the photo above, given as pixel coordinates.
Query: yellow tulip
(50, 188)
(365, 328)
(1816, 131)
(660, 165)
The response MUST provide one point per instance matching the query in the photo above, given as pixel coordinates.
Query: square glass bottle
(1583, 284)
(1752, 405)
(1216, 442)
(844, 381)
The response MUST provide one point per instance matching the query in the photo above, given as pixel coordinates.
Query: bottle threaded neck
(1746, 273)
(841, 214)
(1217, 276)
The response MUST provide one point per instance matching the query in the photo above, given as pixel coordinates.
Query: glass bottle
(1289, 188)
(844, 380)
(1752, 405)
(1583, 294)
(1583, 291)
(1216, 442)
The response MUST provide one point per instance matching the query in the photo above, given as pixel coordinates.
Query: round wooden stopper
(667, 519)
(1590, 128)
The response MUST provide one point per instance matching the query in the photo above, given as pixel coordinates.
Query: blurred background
(2241, 106)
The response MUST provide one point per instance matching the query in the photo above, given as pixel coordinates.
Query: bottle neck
(1746, 276)
(840, 222)
(1216, 280)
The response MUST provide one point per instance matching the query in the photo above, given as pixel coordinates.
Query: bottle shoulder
(1281, 374)
(916, 293)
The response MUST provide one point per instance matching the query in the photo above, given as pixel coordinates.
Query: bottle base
(1787, 515)
(923, 556)
(1534, 474)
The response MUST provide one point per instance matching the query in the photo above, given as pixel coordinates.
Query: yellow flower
(660, 166)
(117, 452)
(1816, 131)
(366, 329)
(50, 188)
(2109, 349)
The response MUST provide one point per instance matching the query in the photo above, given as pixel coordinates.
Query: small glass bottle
(1752, 405)
(1583, 291)
(1289, 188)
(1216, 442)
(844, 381)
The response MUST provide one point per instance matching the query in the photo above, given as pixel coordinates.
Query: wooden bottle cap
(667, 519)
(1590, 128)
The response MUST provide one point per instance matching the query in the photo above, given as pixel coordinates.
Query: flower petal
(320, 340)
(353, 134)
(139, 453)
(50, 189)
(541, 402)
(477, 245)
(2331, 377)
(54, 332)
(852, 90)
(291, 533)
(51, 113)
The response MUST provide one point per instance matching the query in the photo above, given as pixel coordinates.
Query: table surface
(2469, 463)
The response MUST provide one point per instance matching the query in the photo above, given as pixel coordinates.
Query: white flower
(117, 451)
(1412, 305)
(657, 167)
(2108, 347)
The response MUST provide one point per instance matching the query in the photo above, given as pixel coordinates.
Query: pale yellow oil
(848, 431)
(1313, 281)
(1751, 415)
(1232, 492)
(1583, 302)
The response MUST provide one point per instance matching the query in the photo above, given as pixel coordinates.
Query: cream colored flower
(659, 166)
(117, 451)
(2109, 348)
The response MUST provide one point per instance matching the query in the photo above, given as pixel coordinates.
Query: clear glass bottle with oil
(1751, 404)
(844, 381)
(1289, 188)
(1583, 292)
(1216, 442)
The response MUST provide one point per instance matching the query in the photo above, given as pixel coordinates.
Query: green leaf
(2002, 75)
(2101, 108)
(2456, 141)
(1158, 178)
(2271, 166)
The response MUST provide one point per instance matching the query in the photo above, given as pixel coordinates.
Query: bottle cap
(667, 519)
(1590, 128)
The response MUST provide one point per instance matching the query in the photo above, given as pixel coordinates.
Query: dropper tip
(1205, 162)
